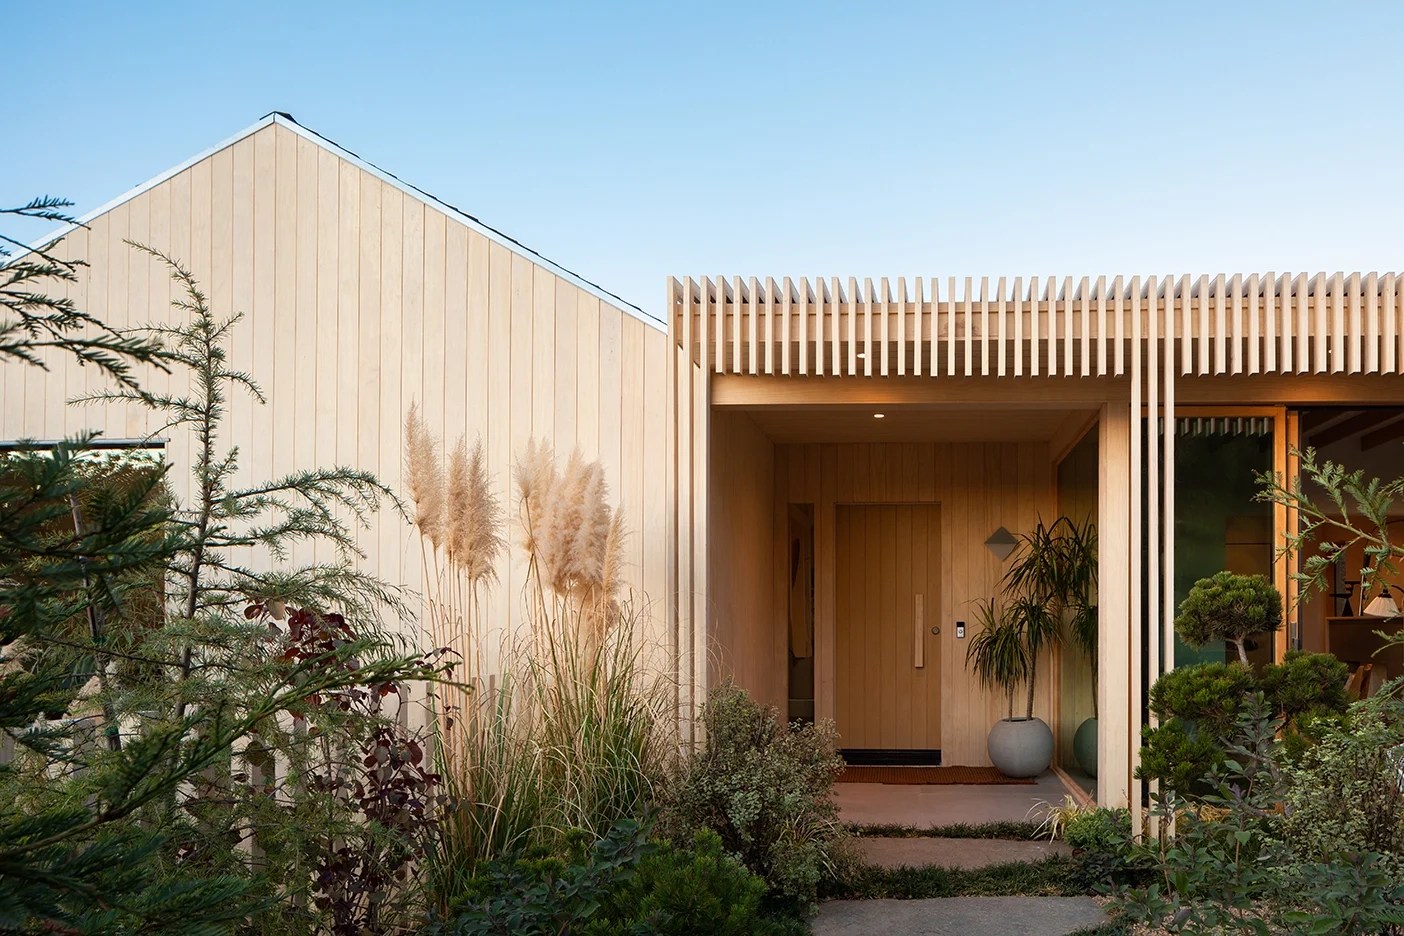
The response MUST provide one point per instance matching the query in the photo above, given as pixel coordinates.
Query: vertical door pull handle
(919, 618)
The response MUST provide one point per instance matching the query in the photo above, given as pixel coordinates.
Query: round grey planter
(1085, 746)
(1021, 747)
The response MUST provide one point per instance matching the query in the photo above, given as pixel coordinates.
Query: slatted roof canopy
(1256, 323)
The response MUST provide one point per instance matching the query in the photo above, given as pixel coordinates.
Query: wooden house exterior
(810, 469)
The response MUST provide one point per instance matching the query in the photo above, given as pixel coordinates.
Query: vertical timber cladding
(360, 295)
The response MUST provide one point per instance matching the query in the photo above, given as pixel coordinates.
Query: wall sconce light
(1001, 543)
(879, 415)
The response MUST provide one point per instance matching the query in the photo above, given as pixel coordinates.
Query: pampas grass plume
(426, 477)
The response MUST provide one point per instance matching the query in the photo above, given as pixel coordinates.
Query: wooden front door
(887, 658)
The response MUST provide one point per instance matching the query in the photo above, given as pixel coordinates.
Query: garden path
(938, 805)
(959, 916)
(919, 851)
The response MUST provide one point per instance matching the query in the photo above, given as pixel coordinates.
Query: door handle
(919, 618)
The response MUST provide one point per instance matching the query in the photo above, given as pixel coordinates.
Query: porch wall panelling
(1152, 333)
(359, 296)
(980, 487)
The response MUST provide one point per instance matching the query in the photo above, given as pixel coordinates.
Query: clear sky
(633, 141)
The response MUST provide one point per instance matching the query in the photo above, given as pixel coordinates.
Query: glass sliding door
(1219, 523)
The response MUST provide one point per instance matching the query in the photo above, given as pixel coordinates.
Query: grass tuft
(1055, 876)
(1015, 830)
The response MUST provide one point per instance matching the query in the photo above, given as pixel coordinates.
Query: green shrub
(767, 790)
(1304, 685)
(1344, 792)
(696, 891)
(1100, 830)
(1231, 869)
(1229, 607)
(545, 895)
(620, 884)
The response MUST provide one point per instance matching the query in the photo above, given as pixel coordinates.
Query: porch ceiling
(915, 423)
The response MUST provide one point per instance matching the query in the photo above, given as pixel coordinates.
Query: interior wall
(747, 635)
(981, 487)
(357, 299)
(1077, 499)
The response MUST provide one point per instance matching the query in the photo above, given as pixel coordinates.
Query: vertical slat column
(1069, 326)
(1035, 326)
(919, 344)
(716, 291)
(1236, 324)
(949, 327)
(1255, 358)
(1152, 476)
(1203, 362)
(820, 313)
(770, 340)
(1002, 316)
(1186, 325)
(802, 310)
(1287, 341)
(786, 309)
(1220, 327)
(678, 568)
(984, 326)
(1118, 312)
(1085, 305)
(1390, 363)
(1301, 290)
(1050, 299)
(1335, 290)
(836, 321)
(752, 329)
(1320, 325)
(700, 401)
(852, 327)
(1354, 329)
(867, 327)
(1018, 326)
(1118, 709)
(966, 325)
(1101, 326)
(885, 327)
(902, 327)
(1371, 362)
(739, 303)
(1167, 612)
(1136, 468)
(1270, 323)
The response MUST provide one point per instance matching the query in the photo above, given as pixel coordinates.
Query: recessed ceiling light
(879, 415)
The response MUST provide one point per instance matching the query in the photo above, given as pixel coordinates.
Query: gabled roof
(389, 178)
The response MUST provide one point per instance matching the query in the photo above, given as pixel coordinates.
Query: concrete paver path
(959, 916)
(919, 851)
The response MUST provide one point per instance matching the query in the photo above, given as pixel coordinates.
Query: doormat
(917, 776)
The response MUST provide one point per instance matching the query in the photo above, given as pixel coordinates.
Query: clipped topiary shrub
(1229, 607)
(1200, 706)
(766, 789)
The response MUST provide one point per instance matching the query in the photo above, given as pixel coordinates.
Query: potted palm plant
(1050, 587)
(1004, 656)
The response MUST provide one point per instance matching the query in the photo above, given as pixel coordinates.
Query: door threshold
(891, 757)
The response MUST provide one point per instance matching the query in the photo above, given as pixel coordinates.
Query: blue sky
(631, 141)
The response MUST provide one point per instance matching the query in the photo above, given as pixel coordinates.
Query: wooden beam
(1343, 430)
(1390, 429)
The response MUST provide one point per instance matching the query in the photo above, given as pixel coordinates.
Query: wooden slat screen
(1251, 324)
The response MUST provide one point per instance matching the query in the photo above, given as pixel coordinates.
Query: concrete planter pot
(1021, 747)
(1085, 746)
